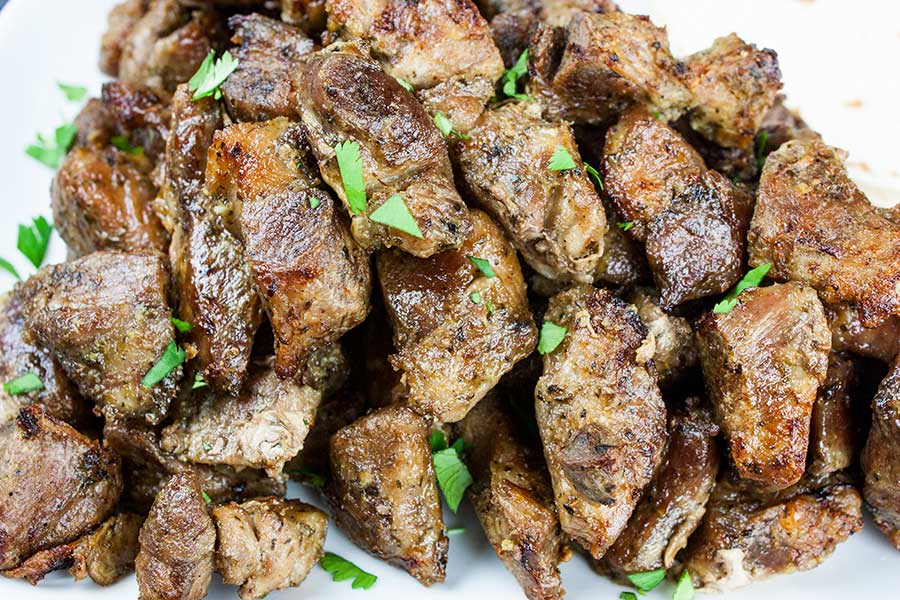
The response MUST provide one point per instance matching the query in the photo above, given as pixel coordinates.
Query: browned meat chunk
(309, 15)
(175, 561)
(139, 115)
(102, 200)
(212, 279)
(847, 333)
(675, 348)
(384, 495)
(623, 262)
(748, 536)
(763, 363)
(344, 96)
(268, 544)
(457, 331)
(262, 428)
(814, 225)
(269, 57)
(312, 277)
(554, 218)
(782, 125)
(120, 22)
(55, 483)
(603, 63)
(734, 85)
(105, 318)
(675, 501)
(513, 500)
(879, 459)
(600, 414)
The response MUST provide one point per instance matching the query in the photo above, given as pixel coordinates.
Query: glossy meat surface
(675, 352)
(879, 459)
(881, 342)
(836, 430)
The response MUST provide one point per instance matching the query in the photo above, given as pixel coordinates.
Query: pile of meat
(658, 433)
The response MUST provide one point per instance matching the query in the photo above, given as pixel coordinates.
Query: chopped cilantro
(484, 266)
(342, 569)
(437, 440)
(562, 160)
(490, 308)
(648, 580)
(350, 166)
(512, 76)
(552, 336)
(211, 74)
(446, 127)
(9, 268)
(122, 143)
(168, 362)
(74, 93)
(34, 239)
(752, 279)
(52, 153)
(404, 84)
(594, 173)
(182, 326)
(314, 202)
(206, 497)
(27, 383)
(684, 589)
(475, 297)
(762, 142)
(627, 596)
(452, 474)
(199, 382)
(206, 447)
(395, 214)
(456, 531)
(625, 226)
(314, 479)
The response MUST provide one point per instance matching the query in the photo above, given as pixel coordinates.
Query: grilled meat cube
(167, 44)
(603, 63)
(734, 85)
(211, 276)
(513, 500)
(383, 494)
(814, 225)
(148, 468)
(748, 536)
(879, 459)
(268, 544)
(309, 15)
(623, 262)
(762, 363)
(269, 55)
(554, 218)
(312, 277)
(675, 501)
(55, 483)
(600, 414)
(95, 125)
(847, 333)
(105, 318)
(675, 347)
(457, 331)
(344, 96)
(177, 542)
(120, 22)
(102, 200)
(139, 115)
(262, 428)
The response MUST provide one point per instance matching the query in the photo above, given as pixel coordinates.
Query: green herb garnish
(395, 214)
(752, 279)
(490, 308)
(483, 265)
(9, 268)
(74, 93)
(475, 297)
(437, 440)
(625, 226)
(452, 474)
(314, 479)
(350, 166)
(648, 580)
(34, 239)
(342, 569)
(199, 382)
(627, 596)
(404, 84)
(314, 202)
(182, 326)
(562, 160)
(122, 143)
(211, 74)
(684, 589)
(27, 383)
(552, 336)
(594, 173)
(170, 360)
(446, 127)
(206, 497)
(52, 153)
(512, 76)
(762, 142)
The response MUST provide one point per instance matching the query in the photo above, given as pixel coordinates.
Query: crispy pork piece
(748, 535)
(734, 85)
(95, 125)
(148, 467)
(166, 45)
(215, 289)
(119, 24)
(313, 278)
(308, 15)
(513, 499)
(848, 334)
(105, 318)
(600, 414)
(815, 226)
(103, 200)
(456, 330)
(554, 218)
(19, 357)
(268, 544)
(675, 347)
(262, 428)
(177, 542)
(384, 495)
(762, 363)
(675, 501)
(601, 64)
(56, 484)
(623, 262)
(270, 54)
(139, 115)
(879, 459)
(346, 97)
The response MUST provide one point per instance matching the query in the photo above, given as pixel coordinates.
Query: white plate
(830, 53)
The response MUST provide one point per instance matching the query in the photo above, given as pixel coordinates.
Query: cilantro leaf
(199, 382)
(52, 153)
(475, 297)
(627, 596)
(483, 265)
(9, 268)
(445, 125)
(437, 440)
(562, 160)
(170, 360)
(511, 77)
(490, 308)
(211, 74)
(648, 580)
(552, 336)
(122, 143)
(342, 569)
(395, 214)
(594, 173)
(350, 166)
(27, 383)
(452, 474)
(34, 239)
(625, 226)
(762, 141)
(456, 530)
(74, 93)
(206, 497)
(684, 589)
(404, 84)
(752, 279)
(314, 202)
(182, 326)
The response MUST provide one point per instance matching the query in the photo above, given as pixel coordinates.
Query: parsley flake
(9, 268)
(452, 474)
(182, 326)
(475, 297)
(351, 168)
(206, 447)
(74, 93)
(395, 214)
(490, 308)
(552, 336)
(314, 202)
(484, 265)
(311, 477)
(170, 360)
(595, 174)
(562, 160)
(34, 239)
(52, 153)
(206, 497)
(446, 127)
(211, 74)
(437, 440)
(199, 382)
(456, 531)
(625, 226)
(752, 279)
(684, 589)
(512, 76)
(404, 84)
(342, 569)
(27, 383)
(122, 143)
(762, 141)
(648, 580)
(627, 596)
